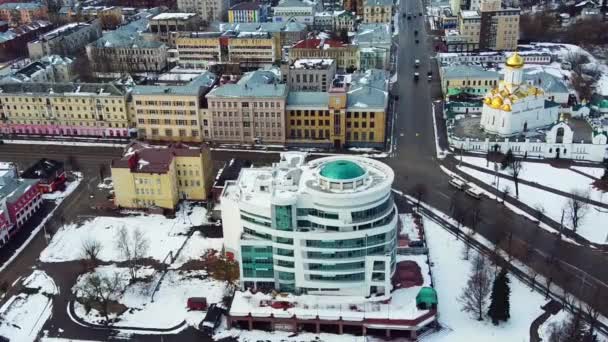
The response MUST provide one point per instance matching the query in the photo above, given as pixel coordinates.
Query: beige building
(490, 28)
(251, 111)
(378, 11)
(70, 109)
(153, 176)
(165, 27)
(171, 113)
(67, 40)
(208, 10)
(346, 56)
(309, 74)
(198, 49)
(254, 48)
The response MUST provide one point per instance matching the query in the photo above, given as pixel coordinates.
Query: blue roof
(21, 5)
(206, 79)
(342, 170)
(468, 71)
(258, 90)
(308, 98)
(13, 189)
(546, 81)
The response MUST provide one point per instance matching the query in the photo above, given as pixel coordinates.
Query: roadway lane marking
(444, 195)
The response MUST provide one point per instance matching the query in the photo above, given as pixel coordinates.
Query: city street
(412, 156)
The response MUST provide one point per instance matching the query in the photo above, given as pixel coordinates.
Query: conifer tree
(500, 299)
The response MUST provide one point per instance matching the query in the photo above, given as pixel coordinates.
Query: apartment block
(171, 113)
(163, 26)
(22, 13)
(250, 111)
(297, 10)
(248, 12)
(70, 109)
(251, 49)
(125, 50)
(51, 68)
(378, 11)
(109, 16)
(208, 10)
(66, 40)
(348, 115)
(13, 42)
(289, 32)
(309, 74)
(152, 176)
(346, 56)
(490, 28)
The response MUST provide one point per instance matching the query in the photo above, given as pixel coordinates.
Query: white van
(473, 191)
(457, 183)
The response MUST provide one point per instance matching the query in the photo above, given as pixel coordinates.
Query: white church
(515, 106)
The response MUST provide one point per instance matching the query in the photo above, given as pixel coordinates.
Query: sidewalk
(551, 308)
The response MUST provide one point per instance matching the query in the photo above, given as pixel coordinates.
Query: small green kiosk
(426, 299)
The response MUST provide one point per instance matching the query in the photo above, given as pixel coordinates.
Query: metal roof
(308, 98)
(468, 71)
(205, 80)
(342, 170)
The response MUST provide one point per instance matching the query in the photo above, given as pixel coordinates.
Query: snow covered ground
(592, 227)
(164, 235)
(450, 274)
(560, 179)
(169, 306)
(23, 315)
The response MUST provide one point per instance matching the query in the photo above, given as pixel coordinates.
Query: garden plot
(450, 274)
(164, 235)
(167, 310)
(592, 227)
(23, 315)
(560, 179)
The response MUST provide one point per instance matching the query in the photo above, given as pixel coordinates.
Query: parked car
(415, 32)
(416, 41)
(212, 319)
(197, 303)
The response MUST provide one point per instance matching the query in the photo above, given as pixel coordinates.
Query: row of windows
(59, 99)
(246, 124)
(316, 213)
(168, 122)
(63, 108)
(169, 132)
(349, 243)
(83, 124)
(305, 224)
(166, 112)
(73, 116)
(165, 103)
(246, 115)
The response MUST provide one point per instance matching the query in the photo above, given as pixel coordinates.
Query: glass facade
(370, 214)
(283, 217)
(257, 261)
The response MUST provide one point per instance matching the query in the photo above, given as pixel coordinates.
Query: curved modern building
(326, 226)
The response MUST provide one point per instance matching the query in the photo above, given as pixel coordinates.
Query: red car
(197, 303)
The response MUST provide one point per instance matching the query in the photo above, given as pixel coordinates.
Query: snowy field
(23, 315)
(560, 179)
(165, 235)
(450, 273)
(592, 227)
(169, 306)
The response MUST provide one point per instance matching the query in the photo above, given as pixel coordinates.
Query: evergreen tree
(499, 299)
(507, 160)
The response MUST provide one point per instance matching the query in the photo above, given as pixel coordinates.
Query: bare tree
(91, 248)
(577, 207)
(540, 212)
(505, 192)
(466, 248)
(474, 218)
(419, 191)
(515, 169)
(101, 289)
(474, 296)
(132, 247)
(592, 311)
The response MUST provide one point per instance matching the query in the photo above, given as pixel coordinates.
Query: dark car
(417, 41)
(415, 32)
(420, 14)
(212, 320)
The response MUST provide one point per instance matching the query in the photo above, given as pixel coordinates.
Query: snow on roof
(400, 304)
(168, 16)
(469, 14)
(312, 63)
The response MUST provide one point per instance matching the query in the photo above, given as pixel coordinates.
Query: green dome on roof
(342, 170)
(604, 104)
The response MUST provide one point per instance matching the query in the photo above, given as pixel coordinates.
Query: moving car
(457, 183)
(429, 75)
(417, 63)
(416, 76)
(212, 319)
(417, 41)
(473, 191)
(415, 32)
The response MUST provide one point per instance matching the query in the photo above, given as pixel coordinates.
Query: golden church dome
(487, 100)
(496, 102)
(506, 107)
(515, 61)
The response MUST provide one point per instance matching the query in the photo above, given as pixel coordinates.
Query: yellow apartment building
(68, 109)
(171, 113)
(256, 48)
(346, 56)
(198, 49)
(378, 11)
(338, 118)
(152, 176)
